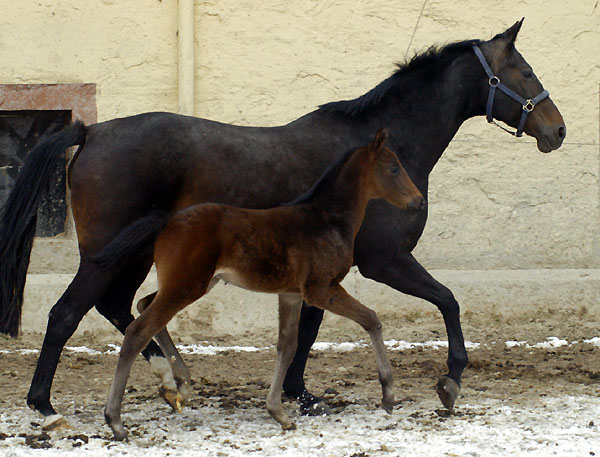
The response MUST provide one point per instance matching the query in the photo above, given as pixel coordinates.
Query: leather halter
(494, 82)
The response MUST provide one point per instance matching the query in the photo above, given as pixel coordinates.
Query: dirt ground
(233, 381)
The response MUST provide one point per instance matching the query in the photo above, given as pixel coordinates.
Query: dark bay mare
(300, 251)
(127, 167)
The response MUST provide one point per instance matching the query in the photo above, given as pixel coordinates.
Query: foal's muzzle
(417, 204)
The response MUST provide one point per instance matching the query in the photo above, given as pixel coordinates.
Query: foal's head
(388, 178)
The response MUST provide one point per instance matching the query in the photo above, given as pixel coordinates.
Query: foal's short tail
(18, 219)
(135, 239)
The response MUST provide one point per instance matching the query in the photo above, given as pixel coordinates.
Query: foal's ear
(511, 33)
(380, 138)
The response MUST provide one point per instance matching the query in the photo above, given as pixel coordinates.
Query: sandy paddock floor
(532, 388)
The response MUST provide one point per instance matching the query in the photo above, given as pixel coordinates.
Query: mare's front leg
(405, 274)
(290, 306)
(338, 301)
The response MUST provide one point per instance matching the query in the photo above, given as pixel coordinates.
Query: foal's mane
(429, 64)
(326, 178)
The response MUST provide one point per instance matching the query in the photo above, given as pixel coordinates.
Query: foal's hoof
(387, 406)
(172, 397)
(448, 390)
(120, 435)
(289, 425)
(316, 409)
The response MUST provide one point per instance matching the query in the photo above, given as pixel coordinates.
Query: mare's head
(388, 178)
(508, 66)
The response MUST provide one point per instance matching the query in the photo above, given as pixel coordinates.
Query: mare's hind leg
(293, 385)
(290, 306)
(338, 301)
(86, 289)
(117, 301)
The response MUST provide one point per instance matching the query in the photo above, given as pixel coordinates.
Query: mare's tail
(18, 219)
(135, 239)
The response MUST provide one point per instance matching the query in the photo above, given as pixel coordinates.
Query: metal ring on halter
(529, 105)
(494, 81)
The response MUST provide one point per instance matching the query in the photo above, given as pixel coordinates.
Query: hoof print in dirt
(41, 441)
(316, 409)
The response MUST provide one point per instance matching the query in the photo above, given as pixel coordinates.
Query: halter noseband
(495, 83)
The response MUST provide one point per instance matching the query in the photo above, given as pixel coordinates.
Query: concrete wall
(497, 204)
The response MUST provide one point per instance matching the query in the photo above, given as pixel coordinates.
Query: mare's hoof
(316, 409)
(54, 422)
(448, 390)
(173, 397)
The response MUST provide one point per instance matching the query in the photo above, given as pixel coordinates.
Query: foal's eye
(394, 170)
(527, 73)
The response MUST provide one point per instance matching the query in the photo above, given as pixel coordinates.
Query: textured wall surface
(496, 202)
(128, 48)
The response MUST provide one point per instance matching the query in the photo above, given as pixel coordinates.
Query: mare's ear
(511, 33)
(380, 138)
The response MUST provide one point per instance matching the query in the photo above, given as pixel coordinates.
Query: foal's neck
(343, 202)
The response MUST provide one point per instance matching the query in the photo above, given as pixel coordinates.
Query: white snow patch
(83, 350)
(595, 341)
(551, 342)
(338, 347)
(209, 349)
(481, 428)
(205, 348)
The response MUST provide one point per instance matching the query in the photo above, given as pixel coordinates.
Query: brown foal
(300, 251)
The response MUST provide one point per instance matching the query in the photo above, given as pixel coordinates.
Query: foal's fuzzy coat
(299, 251)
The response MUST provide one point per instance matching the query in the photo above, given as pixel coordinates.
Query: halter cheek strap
(494, 82)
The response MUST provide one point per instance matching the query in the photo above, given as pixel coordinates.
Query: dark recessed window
(20, 131)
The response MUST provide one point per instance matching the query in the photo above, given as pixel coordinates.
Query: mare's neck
(423, 114)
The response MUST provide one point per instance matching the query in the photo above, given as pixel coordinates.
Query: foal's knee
(371, 321)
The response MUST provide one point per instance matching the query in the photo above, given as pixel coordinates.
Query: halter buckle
(529, 105)
(494, 81)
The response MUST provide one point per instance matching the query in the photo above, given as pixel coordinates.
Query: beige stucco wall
(496, 202)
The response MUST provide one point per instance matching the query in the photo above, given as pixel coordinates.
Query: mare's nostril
(562, 132)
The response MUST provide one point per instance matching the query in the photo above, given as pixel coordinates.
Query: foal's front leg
(338, 301)
(290, 306)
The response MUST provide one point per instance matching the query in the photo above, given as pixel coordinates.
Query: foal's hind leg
(290, 306)
(338, 301)
(138, 334)
(172, 370)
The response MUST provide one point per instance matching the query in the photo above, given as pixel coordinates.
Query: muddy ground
(234, 382)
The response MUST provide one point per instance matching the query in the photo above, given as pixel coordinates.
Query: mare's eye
(394, 170)
(527, 73)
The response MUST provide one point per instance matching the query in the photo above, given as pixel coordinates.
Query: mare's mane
(325, 180)
(429, 64)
